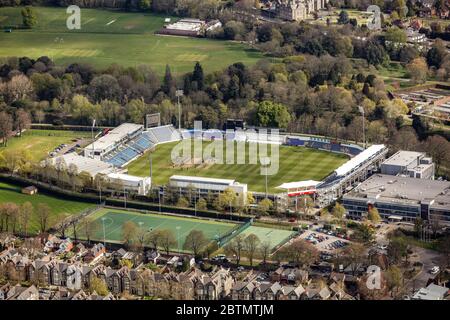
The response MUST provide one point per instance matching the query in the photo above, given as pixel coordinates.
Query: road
(429, 258)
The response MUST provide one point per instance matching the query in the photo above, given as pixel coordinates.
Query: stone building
(297, 10)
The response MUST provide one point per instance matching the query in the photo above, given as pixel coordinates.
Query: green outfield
(113, 220)
(58, 206)
(295, 164)
(270, 235)
(108, 37)
(38, 143)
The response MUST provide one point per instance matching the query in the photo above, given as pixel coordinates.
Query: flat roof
(113, 136)
(92, 166)
(403, 158)
(359, 159)
(202, 180)
(299, 184)
(404, 190)
(125, 177)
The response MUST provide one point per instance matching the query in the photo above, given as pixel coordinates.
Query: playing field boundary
(100, 212)
(234, 232)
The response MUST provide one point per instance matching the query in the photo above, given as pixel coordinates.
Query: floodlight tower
(361, 110)
(92, 135)
(178, 94)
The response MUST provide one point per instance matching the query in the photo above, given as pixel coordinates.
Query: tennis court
(271, 235)
(180, 226)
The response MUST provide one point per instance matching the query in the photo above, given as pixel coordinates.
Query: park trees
(251, 244)
(104, 87)
(167, 240)
(23, 120)
(355, 256)
(264, 249)
(439, 149)
(129, 231)
(301, 252)
(195, 241)
(43, 214)
(6, 126)
(235, 248)
(29, 18)
(89, 227)
(270, 114)
(26, 212)
(394, 279)
(417, 70)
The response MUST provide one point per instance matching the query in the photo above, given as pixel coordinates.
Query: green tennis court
(180, 226)
(273, 236)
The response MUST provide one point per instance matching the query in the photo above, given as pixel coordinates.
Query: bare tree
(129, 230)
(264, 249)
(23, 120)
(235, 247)
(43, 213)
(195, 241)
(168, 240)
(251, 243)
(26, 211)
(6, 126)
(89, 227)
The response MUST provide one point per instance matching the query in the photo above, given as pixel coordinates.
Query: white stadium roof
(115, 135)
(91, 166)
(359, 159)
(299, 184)
(192, 179)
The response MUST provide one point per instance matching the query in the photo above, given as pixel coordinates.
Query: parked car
(435, 270)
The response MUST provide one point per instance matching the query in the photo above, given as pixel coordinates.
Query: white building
(208, 185)
(73, 161)
(139, 185)
(409, 163)
(113, 139)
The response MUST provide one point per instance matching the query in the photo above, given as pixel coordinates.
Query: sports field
(295, 164)
(114, 219)
(38, 143)
(273, 236)
(108, 37)
(58, 206)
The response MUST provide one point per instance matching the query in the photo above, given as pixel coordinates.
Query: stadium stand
(355, 170)
(165, 134)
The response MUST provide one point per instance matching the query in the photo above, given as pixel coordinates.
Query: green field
(38, 143)
(58, 206)
(114, 219)
(108, 37)
(296, 164)
(273, 236)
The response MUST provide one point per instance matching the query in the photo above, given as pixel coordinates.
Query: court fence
(234, 232)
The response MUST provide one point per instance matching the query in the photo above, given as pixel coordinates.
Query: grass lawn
(114, 219)
(271, 235)
(296, 164)
(58, 206)
(108, 37)
(40, 142)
